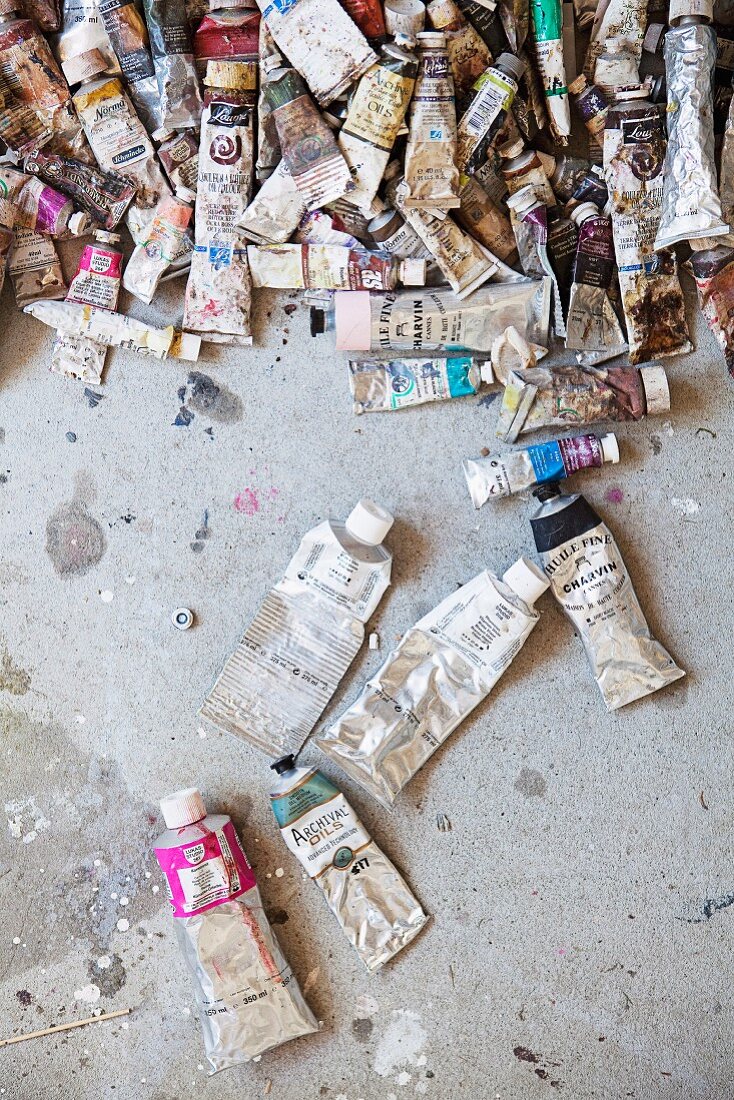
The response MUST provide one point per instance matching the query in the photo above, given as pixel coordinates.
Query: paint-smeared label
(204, 873)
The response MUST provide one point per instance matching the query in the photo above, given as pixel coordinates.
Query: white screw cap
(523, 200)
(584, 211)
(183, 808)
(657, 393)
(526, 580)
(78, 223)
(610, 448)
(369, 522)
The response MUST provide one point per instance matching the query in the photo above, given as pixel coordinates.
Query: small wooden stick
(65, 1027)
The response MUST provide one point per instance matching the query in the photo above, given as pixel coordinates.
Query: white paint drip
(89, 993)
(104, 962)
(365, 1006)
(279, 872)
(402, 1043)
(668, 428)
(686, 506)
(25, 820)
(403, 1078)
(107, 596)
(123, 925)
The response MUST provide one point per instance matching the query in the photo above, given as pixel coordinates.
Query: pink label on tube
(579, 452)
(205, 872)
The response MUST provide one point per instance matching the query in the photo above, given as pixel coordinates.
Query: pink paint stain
(614, 496)
(247, 502)
(560, 951)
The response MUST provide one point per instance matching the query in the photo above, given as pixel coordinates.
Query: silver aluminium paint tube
(247, 995)
(531, 233)
(589, 579)
(691, 207)
(373, 905)
(274, 214)
(180, 101)
(442, 669)
(502, 475)
(379, 385)
(128, 34)
(274, 687)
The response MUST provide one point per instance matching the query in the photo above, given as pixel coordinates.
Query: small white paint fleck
(124, 901)
(89, 993)
(279, 872)
(421, 1061)
(403, 1078)
(16, 940)
(142, 1080)
(185, 1011)
(129, 580)
(124, 1025)
(79, 719)
(341, 1096)
(106, 596)
(686, 506)
(311, 979)
(104, 962)
(25, 820)
(268, 875)
(98, 863)
(199, 1066)
(123, 925)
(147, 874)
(114, 897)
(155, 889)
(202, 732)
(668, 428)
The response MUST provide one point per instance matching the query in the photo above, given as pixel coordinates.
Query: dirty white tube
(379, 385)
(323, 267)
(431, 174)
(405, 17)
(117, 330)
(96, 283)
(152, 259)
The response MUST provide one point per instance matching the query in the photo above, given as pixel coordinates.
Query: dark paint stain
(656, 443)
(4, 478)
(24, 997)
(71, 437)
(486, 400)
(530, 783)
(711, 906)
(75, 541)
(525, 1055)
(209, 399)
(2, 435)
(290, 309)
(110, 979)
(362, 1029)
(13, 678)
(202, 534)
(540, 1064)
(184, 418)
(278, 916)
(93, 398)
(209, 432)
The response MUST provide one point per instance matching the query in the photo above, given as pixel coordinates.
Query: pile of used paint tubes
(345, 149)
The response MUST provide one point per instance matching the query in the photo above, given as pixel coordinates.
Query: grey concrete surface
(583, 899)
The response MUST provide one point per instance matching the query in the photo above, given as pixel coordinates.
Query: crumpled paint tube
(28, 201)
(7, 239)
(589, 579)
(46, 14)
(374, 906)
(96, 283)
(127, 32)
(379, 385)
(391, 234)
(625, 19)
(34, 268)
(276, 211)
(483, 119)
(501, 475)
(180, 159)
(321, 42)
(431, 174)
(227, 38)
(652, 299)
(691, 207)
(310, 627)
(248, 998)
(309, 148)
(82, 30)
(320, 227)
(120, 144)
(152, 258)
(568, 396)
(404, 17)
(269, 155)
(531, 233)
(377, 110)
(117, 330)
(467, 50)
(369, 17)
(713, 270)
(592, 323)
(436, 320)
(546, 21)
(329, 267)
(104, 195)
(442, 669)
(483, 220)
(218, 291)
(180, 103)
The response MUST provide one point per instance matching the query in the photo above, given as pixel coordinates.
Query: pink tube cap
(352, 318)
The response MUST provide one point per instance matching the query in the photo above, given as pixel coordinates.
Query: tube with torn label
(431, 174)
(329, 267)
(376, 113)
(104, 195)
(588, 577)
(218, 291)
(592, 323)
(227, 42)
(485, 222)
(436, 320)
(442, 669)
(180, 103)
(274, 687)
(34, 268)
(153, 257)
(374, 906)
(626, 19)
(321, 42)
(180, 159)
(116, 330)
(502, 475)
(96, 283)
(309, 148)
(28, 201)
(546, 23)
(713, 270)
(483, 119)
(276, 211)
(379, 385)
(127, 32)
(652, 299)
(268, 145)
(691, 207)
(566, 396)
(467, 50)
(531, 233)
(246, 993)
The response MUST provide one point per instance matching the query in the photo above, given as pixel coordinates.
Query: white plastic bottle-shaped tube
(248, 998)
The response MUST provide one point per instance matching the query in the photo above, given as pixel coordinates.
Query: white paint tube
(152, 259)
(121, 144)
(432, 320)
(373, 905)
(405, 17)
(247, 995)
(321, 42)
(117, 330)
(546, 22)
(531, 233)
(381, 385)
(376, 114)
(501, 475)
(391, 234)
(431, 174)
(180, 102)
(592, 323)
(691, 208)
(329, 267)
(442, 669)
(218, 292)
(96, 283)
(274, 687)
(34, 268)
(589, 579)
(625, 19)
(276, 211)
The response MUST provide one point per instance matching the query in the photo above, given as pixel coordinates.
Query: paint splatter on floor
(614, 495)
(13, 678)
(530, 783)
(25, 819)
(202, 534)
(686, 506)
(540, 1063)
(253, 499)
(24, 997)
(75, 541)
(247, 502)
(401, 1044)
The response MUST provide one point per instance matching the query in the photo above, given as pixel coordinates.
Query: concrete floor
(581, 925)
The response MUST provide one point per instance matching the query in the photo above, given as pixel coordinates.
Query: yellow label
(378, 109)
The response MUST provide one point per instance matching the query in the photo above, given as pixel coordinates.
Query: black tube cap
(318, 321)
(284, 764)
(548, 491)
